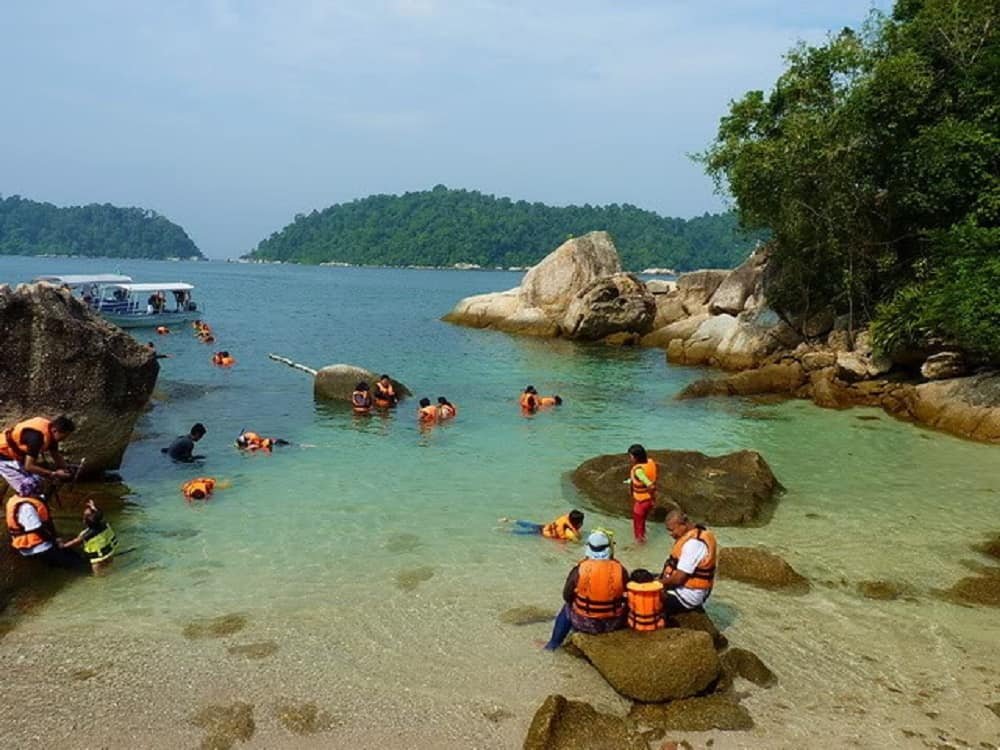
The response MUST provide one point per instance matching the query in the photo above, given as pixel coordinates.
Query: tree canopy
(442, 227)
(99, 230)
(875, 162)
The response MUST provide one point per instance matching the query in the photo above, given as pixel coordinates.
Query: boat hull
(146, 320)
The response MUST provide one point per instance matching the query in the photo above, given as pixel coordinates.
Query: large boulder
(561, 724)
(694, 715)
(780, 377)
(944, 365)
(555, 281)
(669, 309)
(760, 568)
(653, 667)
(745, 281)
(337, 382)
(697, 287)
(609, 305)
(734, 489)
(734, 342)
(58, 357)
(963, 406)
(678, 331)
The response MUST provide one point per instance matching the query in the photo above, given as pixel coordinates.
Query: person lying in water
(251, 441)
(97, 540)
(200, 488)
(566, 528)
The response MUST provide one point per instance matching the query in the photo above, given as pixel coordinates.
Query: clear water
(367, 552)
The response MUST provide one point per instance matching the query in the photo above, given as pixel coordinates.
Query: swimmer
(564, 528)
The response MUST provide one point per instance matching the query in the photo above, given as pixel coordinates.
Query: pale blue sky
(230, 117)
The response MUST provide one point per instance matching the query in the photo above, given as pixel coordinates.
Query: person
(529, 400)
(223, 359)
(642, 486)
(594, 593)
(361, 399)
(566, 527)
(162, 330)
(544, 401)
(21, 449)
(33, 534)
(445, 409)
(97, 539)
(427, 414)
(689, 573)
(152, 347)
(645, 604)
(151, 305)
(199, 489)
(385, 393)
(251, 441)
(182, 449)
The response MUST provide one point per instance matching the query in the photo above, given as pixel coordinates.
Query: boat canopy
(169, 286)
(73, 280)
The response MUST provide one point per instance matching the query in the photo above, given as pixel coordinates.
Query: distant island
(97, 230)
(466, 228)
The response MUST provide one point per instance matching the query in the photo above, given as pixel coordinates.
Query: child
(98, 538)
(645, 605)
(565, 528)
(642, 487)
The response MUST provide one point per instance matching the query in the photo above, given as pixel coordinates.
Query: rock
(880, 590)
(818, 324)
(729, 490)
(661, 287)
(818, 360)
(678, 330)
(561, 724)
(702, 345)
(337, 382)
(732, 293)
(738, 662)
(944, 365)
(694, 715)
(675, 663)
(839, 340)
(555, 281)
(969, 406)
(851, 367)
(696, 288)
(697, 619)
(981, 589)
(734, 343)
(761, 568)
(783, 377)
(991, 547)
(58, 357)
(609, 305)
(527, 615)
(669, 309)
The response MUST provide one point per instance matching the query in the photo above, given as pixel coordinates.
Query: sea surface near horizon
(365, 564)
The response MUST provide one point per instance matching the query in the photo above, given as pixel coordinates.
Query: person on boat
(361, 399)
(22, 448)
(97, 540)
(33, 534)
(645, 601)
(223, 359)
(642, 487)
(426, 413)
(565, 528)
(445, 409)
(199, 489)
(251, 441)
(385, 393)
(594, 593)
(689, 573)
(182, 449)
(544, 401)
(529, 400)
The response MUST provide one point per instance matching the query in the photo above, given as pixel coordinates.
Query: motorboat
(130, 305)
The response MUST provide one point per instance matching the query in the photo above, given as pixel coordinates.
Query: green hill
(99, 230)
(441, 227)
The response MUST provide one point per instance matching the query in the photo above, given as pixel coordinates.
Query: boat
(129, 305)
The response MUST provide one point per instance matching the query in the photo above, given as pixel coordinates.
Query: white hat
(598, 546)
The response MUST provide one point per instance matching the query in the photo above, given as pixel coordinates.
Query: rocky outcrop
(675, 663)
(730, 490)
(561, 724)
(760, 568)
(738, 662)
(944, 365)
(58, 357)
(694, 715)
(578, 292)
(337, 382)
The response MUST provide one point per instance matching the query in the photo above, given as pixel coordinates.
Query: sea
(349, 589)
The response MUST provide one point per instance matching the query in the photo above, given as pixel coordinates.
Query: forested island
(443, 227)
(97, 230)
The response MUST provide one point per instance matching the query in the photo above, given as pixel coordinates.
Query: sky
(231, 117)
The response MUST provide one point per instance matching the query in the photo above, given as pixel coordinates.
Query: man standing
(182, 449)
(689, 572)
(21, 449)
(642, 486)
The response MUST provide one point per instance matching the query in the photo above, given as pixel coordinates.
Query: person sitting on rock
(33, 534)
(21, 450)
(182, 449)
(385, 393)
(446, 409)
(645, 601)
(98, 539)
(689, 573)
(529, 400)
(594, 593)
(564, 528)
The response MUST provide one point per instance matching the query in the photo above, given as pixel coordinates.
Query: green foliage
(441, 227)
(875, 162)
(31, 228)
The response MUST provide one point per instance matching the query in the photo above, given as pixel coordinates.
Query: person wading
(642, 486)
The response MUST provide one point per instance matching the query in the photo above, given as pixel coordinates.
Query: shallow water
(366, 560)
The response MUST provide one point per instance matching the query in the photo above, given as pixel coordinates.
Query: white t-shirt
(692, 553)
(28, 517)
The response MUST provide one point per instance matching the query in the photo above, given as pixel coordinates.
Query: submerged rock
(653, 667)
(225, 725)
(694, 715)
(561, 724)
(761, 568)
(303, 719)
(738, 662)
(981, 589)
(698, 620)
(527, 615)
(731, 490)
(215, 627)
(991, 547)
(259, 650)
(880, 590)
(409, 579)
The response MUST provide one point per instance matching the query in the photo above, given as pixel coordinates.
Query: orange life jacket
(599, 591)
(703, 576)
(547, 401)
(640, 491)
(203, 484)
(12, 448)
(252, 441)
(162, 329)
(384, 394)
(529, 402)
(561, 528)
(361, 402)
(645, 607)
(26, 540)
(447, 411)
(427, 414)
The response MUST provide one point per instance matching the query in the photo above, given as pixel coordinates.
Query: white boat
(126, 304)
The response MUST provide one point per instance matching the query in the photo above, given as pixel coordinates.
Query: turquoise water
(368, 552)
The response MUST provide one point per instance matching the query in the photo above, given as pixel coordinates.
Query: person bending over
(182, 449)
(22, 448)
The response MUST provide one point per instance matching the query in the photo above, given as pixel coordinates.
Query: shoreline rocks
(760, 568)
